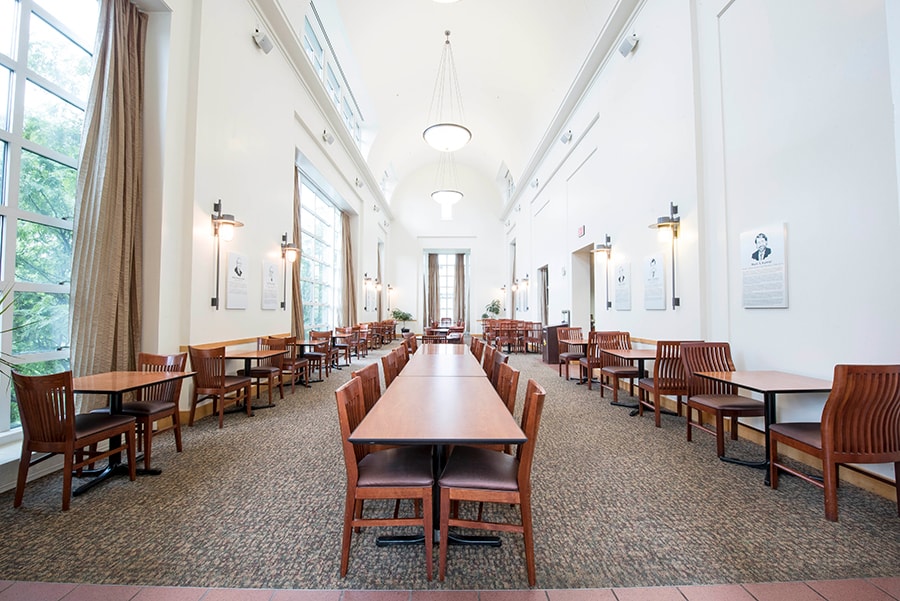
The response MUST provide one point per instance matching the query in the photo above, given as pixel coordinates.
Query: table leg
(247, 368)
(630, 405)
(769, 417)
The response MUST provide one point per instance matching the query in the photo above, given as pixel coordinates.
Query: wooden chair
(341, 344)
(212, 381)
(270, 368)
(594, 357)
(398, 473)
(709, 396)
(568, 352)
(294, 366)
(331, 354)
(534, 337)
(498, 359)
(318, 358)
(860, 424)
(362, 341)
(615, 369)
(50, 426)
(391, 369)
(668, 378)
(487, 363)
(486, 476)
(434, 339)
(371, 383)
(156, 403)
(402, 356)
(477, 348)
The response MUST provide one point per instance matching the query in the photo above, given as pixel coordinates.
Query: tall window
(320, 259)
(446, 284)
(45, 70)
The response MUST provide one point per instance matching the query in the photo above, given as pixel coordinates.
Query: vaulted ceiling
(516, 61)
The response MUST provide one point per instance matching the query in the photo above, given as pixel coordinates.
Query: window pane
(40, 322)
(51, 121)
(8, 25)
(78, 15)
(43, 253)
(47, 187)
(5, 82)
(58, 58)
(3, 150)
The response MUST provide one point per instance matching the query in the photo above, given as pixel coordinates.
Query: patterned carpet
(617, 502)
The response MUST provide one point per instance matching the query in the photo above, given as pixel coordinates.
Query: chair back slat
(209, 365)
(706, 356)
(507, 385)
(862, 414)
(351, 411)
(371, 383)
(47, 408)
(487, 363)
(167, 392)
(668, 369)
(531, 420)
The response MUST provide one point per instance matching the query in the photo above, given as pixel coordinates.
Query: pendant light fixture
(445, 131)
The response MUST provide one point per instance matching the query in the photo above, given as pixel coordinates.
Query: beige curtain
(349, 301)
(433, 300)
(297, 328)
(459, 293)
(106, 265)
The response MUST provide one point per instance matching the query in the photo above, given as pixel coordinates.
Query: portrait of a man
(762, 247)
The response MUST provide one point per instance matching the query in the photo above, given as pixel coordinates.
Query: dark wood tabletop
(443, 364)
(439, 410)
(767, 381)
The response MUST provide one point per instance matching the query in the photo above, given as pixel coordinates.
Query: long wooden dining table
(438, 399)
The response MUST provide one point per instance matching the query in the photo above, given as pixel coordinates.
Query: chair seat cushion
(473, 467)
(87, 424)
(400, 466)
(727, 402)
(809, 433)
(622, 371)
(570, 356)
(147, 407)
(236, 381)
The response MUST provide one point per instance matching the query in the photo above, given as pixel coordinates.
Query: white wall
(476, 227)
(632, 153)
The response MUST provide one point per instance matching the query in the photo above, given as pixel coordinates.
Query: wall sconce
(390, 291)
(289, 254)
(358, 183)
(566, 137)
(327, 137)
(606, 248)
(223, 229)
(671, 221)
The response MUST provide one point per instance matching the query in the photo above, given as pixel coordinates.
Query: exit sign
(580, 231)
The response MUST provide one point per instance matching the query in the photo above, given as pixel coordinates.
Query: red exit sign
(580, 231)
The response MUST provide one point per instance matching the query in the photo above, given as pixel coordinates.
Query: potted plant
(402, 317)
(492, 310)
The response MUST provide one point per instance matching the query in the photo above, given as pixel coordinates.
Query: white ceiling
(516, 61)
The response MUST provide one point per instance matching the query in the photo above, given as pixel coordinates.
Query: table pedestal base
(113, 469)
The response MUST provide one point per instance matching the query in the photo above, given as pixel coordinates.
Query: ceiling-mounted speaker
(628, 44)
(263, 41)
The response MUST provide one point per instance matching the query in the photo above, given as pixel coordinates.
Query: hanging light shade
(445, 131)
(446, 191)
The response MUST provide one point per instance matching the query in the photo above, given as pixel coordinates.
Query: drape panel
(349, 300)
(106, 284)
(433, 300)
(542, 292)
(297, 328)
(459, 292)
